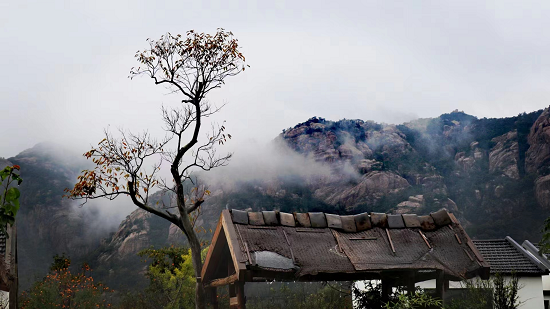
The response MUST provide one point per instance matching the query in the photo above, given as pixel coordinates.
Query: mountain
(48, 224)
(494, 174)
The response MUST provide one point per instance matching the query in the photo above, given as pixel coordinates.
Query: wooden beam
(425, 239)
(458, 239)
(248, 253)
(222, 281)
(289, 247)
(233, 243)
(391, 242)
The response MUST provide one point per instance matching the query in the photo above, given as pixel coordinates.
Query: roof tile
(303, 219)
(270, 218)
(411, 220)
(317, 219)
(379, 219)
(362, 222)
(240, 216)
(256, 218)
(333, 221)
(287, 219)
(441, 217)
(427, 223)
(395, 222)
(348, 224)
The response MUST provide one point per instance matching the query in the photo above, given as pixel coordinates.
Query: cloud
(275, 162)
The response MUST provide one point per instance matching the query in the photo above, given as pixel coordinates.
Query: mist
(273, 162)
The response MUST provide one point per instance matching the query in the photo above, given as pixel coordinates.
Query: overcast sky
(64, 64)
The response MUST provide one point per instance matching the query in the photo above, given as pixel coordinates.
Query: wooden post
(410, 284)
(212, 292)
(240, 295)
(233, 304)
(237, 299)
(440, 286)
(386, 290)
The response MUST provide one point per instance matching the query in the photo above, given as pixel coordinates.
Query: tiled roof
(534, 249)
(316, 242)
(506, 256)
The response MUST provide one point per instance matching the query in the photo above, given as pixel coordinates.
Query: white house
(534, 250)
(506, 256)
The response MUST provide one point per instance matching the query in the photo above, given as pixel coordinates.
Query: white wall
(546, 283)
(546, 286)
(530, 293)
(4, 299)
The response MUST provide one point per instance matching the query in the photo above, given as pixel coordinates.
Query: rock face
(4, 163)
(538, 155)
(371, 187)
(504, 155)
(131, 237)
(468, 163)
(346, 140)
(543, 191)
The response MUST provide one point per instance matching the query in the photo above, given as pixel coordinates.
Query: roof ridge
(347, 223)
(526, 253)
(488, 240)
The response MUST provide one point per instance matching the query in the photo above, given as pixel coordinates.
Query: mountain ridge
(490, 172)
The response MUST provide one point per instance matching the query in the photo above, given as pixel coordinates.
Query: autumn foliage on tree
(190, 67)
(63, 289)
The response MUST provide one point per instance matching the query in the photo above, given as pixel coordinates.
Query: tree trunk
(194, 244)
(200, 301)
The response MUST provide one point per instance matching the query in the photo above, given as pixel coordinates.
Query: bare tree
(191, 67)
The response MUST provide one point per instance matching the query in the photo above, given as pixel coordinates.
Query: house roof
(506, 256)
(534, 249)
(316, 245)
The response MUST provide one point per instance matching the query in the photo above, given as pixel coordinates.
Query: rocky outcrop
(346, 140)
(131, 236)
(432, 183)
(372, 186)
(538, 154)
(412, 205)
(365, 166)
(390, 142)
(542, 189)
(468, 162)
(504, 156)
